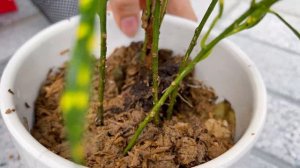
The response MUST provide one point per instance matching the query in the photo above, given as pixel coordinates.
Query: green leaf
(74, 101)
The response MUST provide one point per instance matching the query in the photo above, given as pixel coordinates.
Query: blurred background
(271, 45)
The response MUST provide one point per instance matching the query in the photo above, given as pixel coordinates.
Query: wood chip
(8, 111)
(11, 92)
(65, 51)
(27, 105)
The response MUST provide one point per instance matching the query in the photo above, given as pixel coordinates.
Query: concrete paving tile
(9, 157)
(253, 161)
(280, 69)
(281, 134)
(14, 35)
(25, 9)
(290, 7)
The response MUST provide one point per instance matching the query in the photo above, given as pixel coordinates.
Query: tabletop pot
(228, 70)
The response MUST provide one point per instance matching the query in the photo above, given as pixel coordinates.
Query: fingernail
(129, 25)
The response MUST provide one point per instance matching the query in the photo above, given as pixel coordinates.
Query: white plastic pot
(228, 70)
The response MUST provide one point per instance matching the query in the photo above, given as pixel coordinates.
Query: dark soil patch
(192, 137)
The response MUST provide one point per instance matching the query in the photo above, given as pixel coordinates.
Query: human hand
(126, 13)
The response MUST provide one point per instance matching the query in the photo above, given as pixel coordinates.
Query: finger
(126, 14)
(181, 8)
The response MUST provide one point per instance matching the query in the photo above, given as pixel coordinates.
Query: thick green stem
(74, 101)
(200, 56)
(154, 52)
(188, 53)
(286, 23)
(103, 37)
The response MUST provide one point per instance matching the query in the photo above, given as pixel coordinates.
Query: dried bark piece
(11, 92)
(27, 105)
(64, 52)
(9, 111)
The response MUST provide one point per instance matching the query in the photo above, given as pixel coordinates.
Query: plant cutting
(125, 82)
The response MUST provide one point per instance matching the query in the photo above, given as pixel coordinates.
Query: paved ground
(270, 45)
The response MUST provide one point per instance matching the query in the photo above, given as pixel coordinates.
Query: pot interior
(226, 70)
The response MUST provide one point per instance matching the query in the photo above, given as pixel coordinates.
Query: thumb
(126, 14)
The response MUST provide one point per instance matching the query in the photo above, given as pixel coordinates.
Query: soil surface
(193, 136)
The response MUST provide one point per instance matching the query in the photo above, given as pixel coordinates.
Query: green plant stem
(74, 101)
(148, 7)
(213, 24)
(286, 23)
(163, 10)
(145, 20)
(253, 2)
(200, 56)
(103, 36)
(154, 52)
(188, 53)
(258, 11)
(144, 48)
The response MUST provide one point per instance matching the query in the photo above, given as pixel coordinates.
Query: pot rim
(39, 152)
